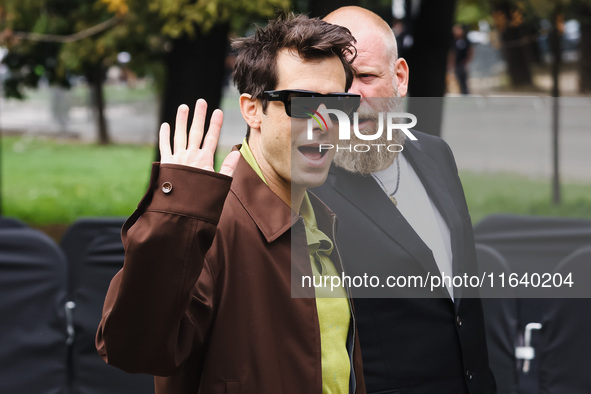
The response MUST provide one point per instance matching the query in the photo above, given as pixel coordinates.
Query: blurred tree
(581, 10)
(321, 8)
(182, 42)
(429, 25)
(50, 39)
(513, 14)
(197, 46)
(554, 12)
(518, 32)
(470, 12)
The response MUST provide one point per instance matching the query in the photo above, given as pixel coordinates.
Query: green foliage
(28, 63)
(544, 8)
(469, 12)
(30, 59)
(184, 16)
(529, 11)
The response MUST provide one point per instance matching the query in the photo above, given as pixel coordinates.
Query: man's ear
(251, 110)
(401, 73)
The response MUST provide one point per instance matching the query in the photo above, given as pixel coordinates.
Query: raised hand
(188, 152)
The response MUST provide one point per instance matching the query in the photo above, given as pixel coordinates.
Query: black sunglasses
(346, 102)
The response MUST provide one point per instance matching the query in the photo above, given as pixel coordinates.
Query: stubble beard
(373, 160)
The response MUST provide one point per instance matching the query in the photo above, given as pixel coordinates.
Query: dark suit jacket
(411, 344)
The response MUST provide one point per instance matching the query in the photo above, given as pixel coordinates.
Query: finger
(180, 129)
(213, 134)
(165, 151)
(198, 124)
(230, 163)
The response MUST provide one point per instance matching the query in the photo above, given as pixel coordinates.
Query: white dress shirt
(414, 204)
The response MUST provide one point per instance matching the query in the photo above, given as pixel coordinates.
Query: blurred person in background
(461, 54)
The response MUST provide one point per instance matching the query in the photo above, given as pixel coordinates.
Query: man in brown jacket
(204, 298)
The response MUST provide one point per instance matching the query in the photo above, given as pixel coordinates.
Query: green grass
(48, 182)
(51, 182)
(488, 194)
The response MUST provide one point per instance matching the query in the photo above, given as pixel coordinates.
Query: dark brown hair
(256, 66)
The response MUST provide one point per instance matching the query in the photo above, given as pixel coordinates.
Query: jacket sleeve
(154, 313)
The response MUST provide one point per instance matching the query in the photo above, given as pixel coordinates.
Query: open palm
(187, 150)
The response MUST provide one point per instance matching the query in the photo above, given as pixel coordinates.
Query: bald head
(379, 73)
(362, 23)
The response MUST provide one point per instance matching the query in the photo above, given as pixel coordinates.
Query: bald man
(405, 214)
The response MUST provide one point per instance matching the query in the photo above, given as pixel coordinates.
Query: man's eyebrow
(366, 70)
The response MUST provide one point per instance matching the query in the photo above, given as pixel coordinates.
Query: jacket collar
(271, 215)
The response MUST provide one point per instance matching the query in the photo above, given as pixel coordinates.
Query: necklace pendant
(393, 199)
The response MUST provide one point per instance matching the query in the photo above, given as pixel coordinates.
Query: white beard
(373, 160)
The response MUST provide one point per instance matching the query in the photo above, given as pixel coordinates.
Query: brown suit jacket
(204, 298)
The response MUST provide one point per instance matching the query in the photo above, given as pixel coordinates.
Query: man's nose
(326, 117)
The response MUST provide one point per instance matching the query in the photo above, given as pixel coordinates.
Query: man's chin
(309, 180)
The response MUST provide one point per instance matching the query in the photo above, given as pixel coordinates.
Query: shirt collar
(318, 242)
(272, 216)
(249, 157)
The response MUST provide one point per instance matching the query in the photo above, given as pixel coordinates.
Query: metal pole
(1, 93)
(556, 60)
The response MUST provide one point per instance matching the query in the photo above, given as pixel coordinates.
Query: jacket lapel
(368, 197)
(272, 216)
(361, 189)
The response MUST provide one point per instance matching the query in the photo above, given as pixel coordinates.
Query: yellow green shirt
(334, 315)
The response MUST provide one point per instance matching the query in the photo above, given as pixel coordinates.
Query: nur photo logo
(387, 122)
(317, 117)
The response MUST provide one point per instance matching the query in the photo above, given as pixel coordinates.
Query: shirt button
(166, 187)
(469, 375)
(459, 321)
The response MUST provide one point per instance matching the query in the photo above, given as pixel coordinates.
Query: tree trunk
(321, 8)
(427, 60)
(194, 69)
(95, 77)
(585, 49)
(515, 42)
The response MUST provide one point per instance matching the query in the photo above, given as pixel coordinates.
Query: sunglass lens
(349, 105)
(298, 108)
(305, 108)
